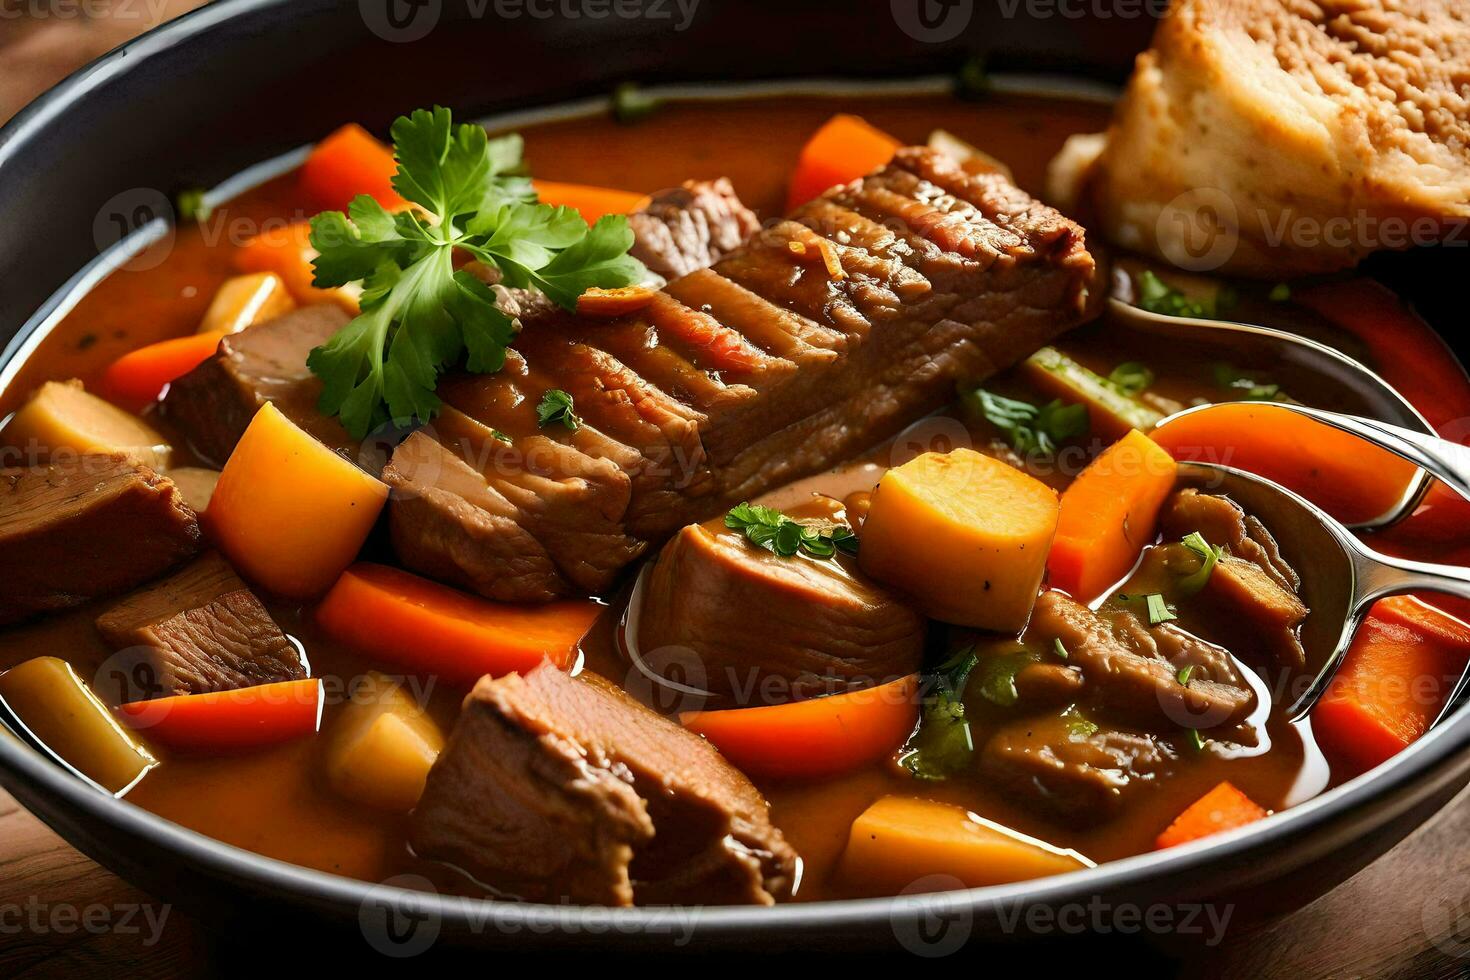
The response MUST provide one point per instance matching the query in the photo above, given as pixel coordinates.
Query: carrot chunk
(844, 149)
(430, 628)
(229, 721)
(286, 251)
(1222, 808)
(288, 512)
(816, 738)
(1338, 472)
(591, 202)
(139, 377)
(1400, 670)
(347, 163)
(1108, 516)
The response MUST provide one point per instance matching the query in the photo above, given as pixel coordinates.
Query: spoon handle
(1446, 461)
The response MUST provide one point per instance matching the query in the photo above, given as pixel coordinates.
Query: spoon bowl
(1341, 577)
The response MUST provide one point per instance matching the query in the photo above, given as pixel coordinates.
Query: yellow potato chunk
(899, 840)
(382, 746)
(243, 301)
(965, 534)
(63, 417)
(63, 713)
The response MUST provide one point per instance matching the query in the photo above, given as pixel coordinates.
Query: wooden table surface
(1406, 916)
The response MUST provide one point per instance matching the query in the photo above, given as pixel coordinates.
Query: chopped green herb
(1059, 648)
(972, 82)
(768, 528)
(1184, 674)
(1031, 428)
(631, 104)
(500, 436)
(1208, 554)
(1226, 376)
(1280, 293)
(997, 677)
(1195, 741)
(1079, 728)
(557, 408)
(419, 314)
(1131, 377)
(190, 205)
(1157, 296)
(943, 744)
(1158, 609)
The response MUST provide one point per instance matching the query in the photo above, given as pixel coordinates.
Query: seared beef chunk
(213, 403)
(1253, 581)
(1133, 669)
(198, 630)
(84, 527)
(770, 365)
(1077, 770)
(690, 227)
(555, 787)
(750, 627)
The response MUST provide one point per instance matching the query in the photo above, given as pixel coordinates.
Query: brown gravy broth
(276, 802)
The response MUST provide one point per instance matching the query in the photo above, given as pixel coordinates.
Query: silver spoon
(1341, 576)
(1356, 388)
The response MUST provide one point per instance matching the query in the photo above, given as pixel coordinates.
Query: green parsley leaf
(997, 677)
(1059, 648)
(1157, 296)
(1158, 609)
(556, 408)
(630, 104)
(1031, 428)
(768, 528)
(1079, 727)
(1208, 554)
(418, 314)
(189, 205)
(1226, 376)
(499, 436)
(1195, 741)
(1184, 674)
(943, 744)
(1131, 377)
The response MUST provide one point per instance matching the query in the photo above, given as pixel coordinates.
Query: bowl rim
(21, 765)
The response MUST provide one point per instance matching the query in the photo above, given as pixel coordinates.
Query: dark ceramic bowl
(240, 81)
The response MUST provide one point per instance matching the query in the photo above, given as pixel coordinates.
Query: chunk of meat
(1134, 669)
(213, 404)
(199, 630)
(1253, 582)
(558, 787)
(86, 526)
(824, 627)
(690, 227)
(1286, 137)
(768, 367)
(1078, 772)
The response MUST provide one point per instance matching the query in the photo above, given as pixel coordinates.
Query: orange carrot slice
(229, 721)
(1401, 668)
(1222, 808)
(139, 377)
(591, 202)
(844, 149)
(347, 163)
(430, 628)
(817, 738)
(1108, 516)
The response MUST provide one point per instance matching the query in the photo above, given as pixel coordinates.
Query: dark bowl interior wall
(242, 80)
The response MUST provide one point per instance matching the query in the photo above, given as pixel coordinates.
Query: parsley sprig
(419, 315)
(1033, 428)
(943, 744)
(770, 529)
